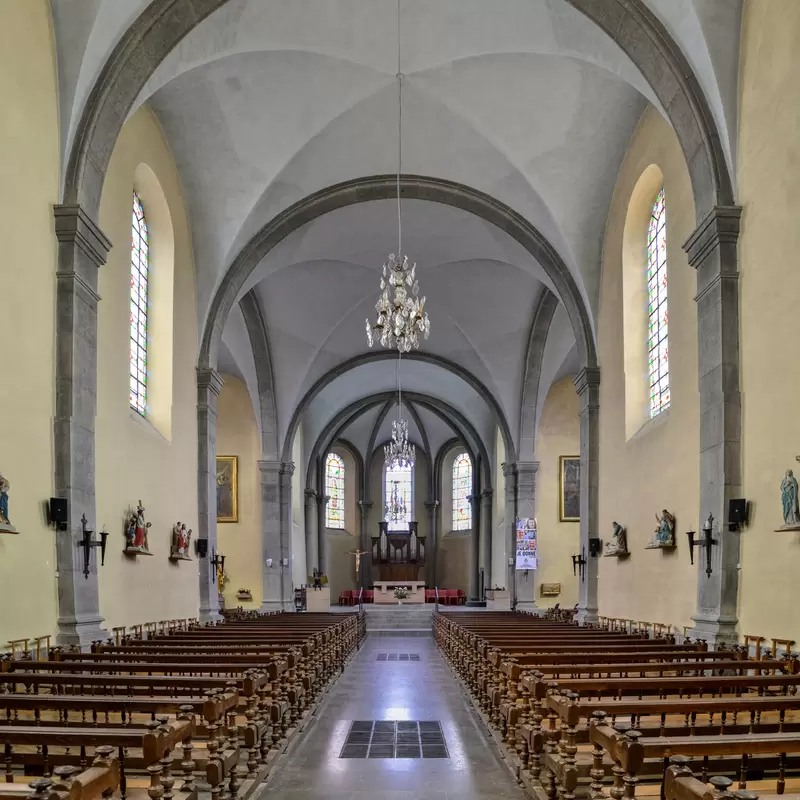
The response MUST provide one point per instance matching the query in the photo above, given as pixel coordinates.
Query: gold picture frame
(227, 488)
(569, 488)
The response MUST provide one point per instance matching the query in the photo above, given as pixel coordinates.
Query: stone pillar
(276, 534)
(486, 537)
(322, 538)
(312, 537)
(474, 553)
(431, 543)
(366, 543)
(510, 522)
(209, 385)
(587, 385)
(82, 249)
(712, 252)
(526, 508)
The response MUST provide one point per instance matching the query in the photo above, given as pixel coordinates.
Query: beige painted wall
(135, 461)
(29, 169)
(769, 173)
(452, 557)
(499, 544)
(559, 435)
(657, 467)
(237, 435)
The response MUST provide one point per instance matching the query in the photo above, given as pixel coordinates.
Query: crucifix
(357, 554)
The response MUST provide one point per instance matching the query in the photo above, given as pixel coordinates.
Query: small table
(384, 591)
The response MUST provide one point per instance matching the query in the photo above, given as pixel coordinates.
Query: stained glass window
(398, 494)
(658, 315)
(140, 252)
(334, 488)
(462, 489)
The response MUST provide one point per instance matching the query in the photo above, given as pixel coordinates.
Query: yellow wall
(559, 435)
(29, 169)
(135, 461)
(658, 466)
(237, 435)
(769, 173)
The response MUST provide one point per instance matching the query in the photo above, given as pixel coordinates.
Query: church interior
(389, 380)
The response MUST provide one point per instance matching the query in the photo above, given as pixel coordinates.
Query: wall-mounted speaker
(57, 512)
(737, 513)
(201, 547)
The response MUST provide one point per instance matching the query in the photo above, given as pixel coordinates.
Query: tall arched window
(334, 488)
(658, 342)
(398, 493)
(140, 253)
(462, 489)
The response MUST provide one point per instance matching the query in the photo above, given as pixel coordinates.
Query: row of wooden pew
(585, 711)
(224, 700)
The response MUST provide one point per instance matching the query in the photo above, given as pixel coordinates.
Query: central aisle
(394, 690)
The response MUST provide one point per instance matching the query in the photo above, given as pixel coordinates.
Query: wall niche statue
(136, 533)
(664, 534)
(181, 539)
(5, 522)
(789, 506)
(618, 546)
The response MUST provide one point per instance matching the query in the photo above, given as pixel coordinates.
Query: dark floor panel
(403, 739)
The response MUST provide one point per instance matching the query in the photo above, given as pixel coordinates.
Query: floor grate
(406, 739)
(398, 657)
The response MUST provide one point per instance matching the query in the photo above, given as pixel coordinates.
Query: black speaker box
(737, 513)
(201, 546)
(58, 510)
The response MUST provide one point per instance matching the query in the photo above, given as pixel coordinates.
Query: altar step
(405, 620)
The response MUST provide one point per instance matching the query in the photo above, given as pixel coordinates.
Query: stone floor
(370, 689)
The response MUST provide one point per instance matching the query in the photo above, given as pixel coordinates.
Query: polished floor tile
(392, 690)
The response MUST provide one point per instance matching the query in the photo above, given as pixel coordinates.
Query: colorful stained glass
(399, 479)
(140, 253)
(658, 315)
(462, 489)
(334, 488)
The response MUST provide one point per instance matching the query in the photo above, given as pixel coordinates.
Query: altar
(384, 591)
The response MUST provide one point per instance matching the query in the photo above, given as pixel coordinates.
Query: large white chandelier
(399, 452)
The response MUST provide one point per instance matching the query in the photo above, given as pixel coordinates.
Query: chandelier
(396, 510)
(399, 452)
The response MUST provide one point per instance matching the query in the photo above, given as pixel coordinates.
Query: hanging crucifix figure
(357, 554)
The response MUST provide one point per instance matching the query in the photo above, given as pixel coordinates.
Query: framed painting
(569, 489)
(227, 488)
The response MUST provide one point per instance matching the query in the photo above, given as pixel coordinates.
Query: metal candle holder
(707, 541)
(87, 543)
(579, 563)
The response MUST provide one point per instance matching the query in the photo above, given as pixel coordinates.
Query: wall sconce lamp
(707, 541)
(217, 560)
(595, 546)
(87, 543)
(579, 563)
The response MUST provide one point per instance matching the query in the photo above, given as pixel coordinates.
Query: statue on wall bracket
(179, 547)
(791, 512)
(618, 546)
(664, 534)
(136, 533)
(5, 522)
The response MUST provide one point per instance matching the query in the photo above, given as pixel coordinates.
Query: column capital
(311, 496)
(365, 505)
(720, 226)
(74, 225)
(486, 494)
(587, 378)
(431, 505)
(509, 468)
(210, 380)
(526, 466)
(322, 499)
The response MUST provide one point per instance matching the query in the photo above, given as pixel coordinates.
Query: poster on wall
(526, 543)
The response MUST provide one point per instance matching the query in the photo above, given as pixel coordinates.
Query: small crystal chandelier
(396, 510)
(399, 452)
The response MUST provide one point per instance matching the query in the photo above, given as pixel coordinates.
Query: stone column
(510, 522)
(712, 252)
(486, 536)
(431, 543)
(312, 537)
(82, 249)
(276, 534)
(526, 508)
(366, 543)
(209, 385)
(587, 384)
(474, 553)
(322, 538)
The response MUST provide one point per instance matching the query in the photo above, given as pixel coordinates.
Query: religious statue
(357, 554)
(618, 546)
(664, 535)
(136, 532)
(180, 543)
(5, 522)
(791, 512)
(222, 579)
